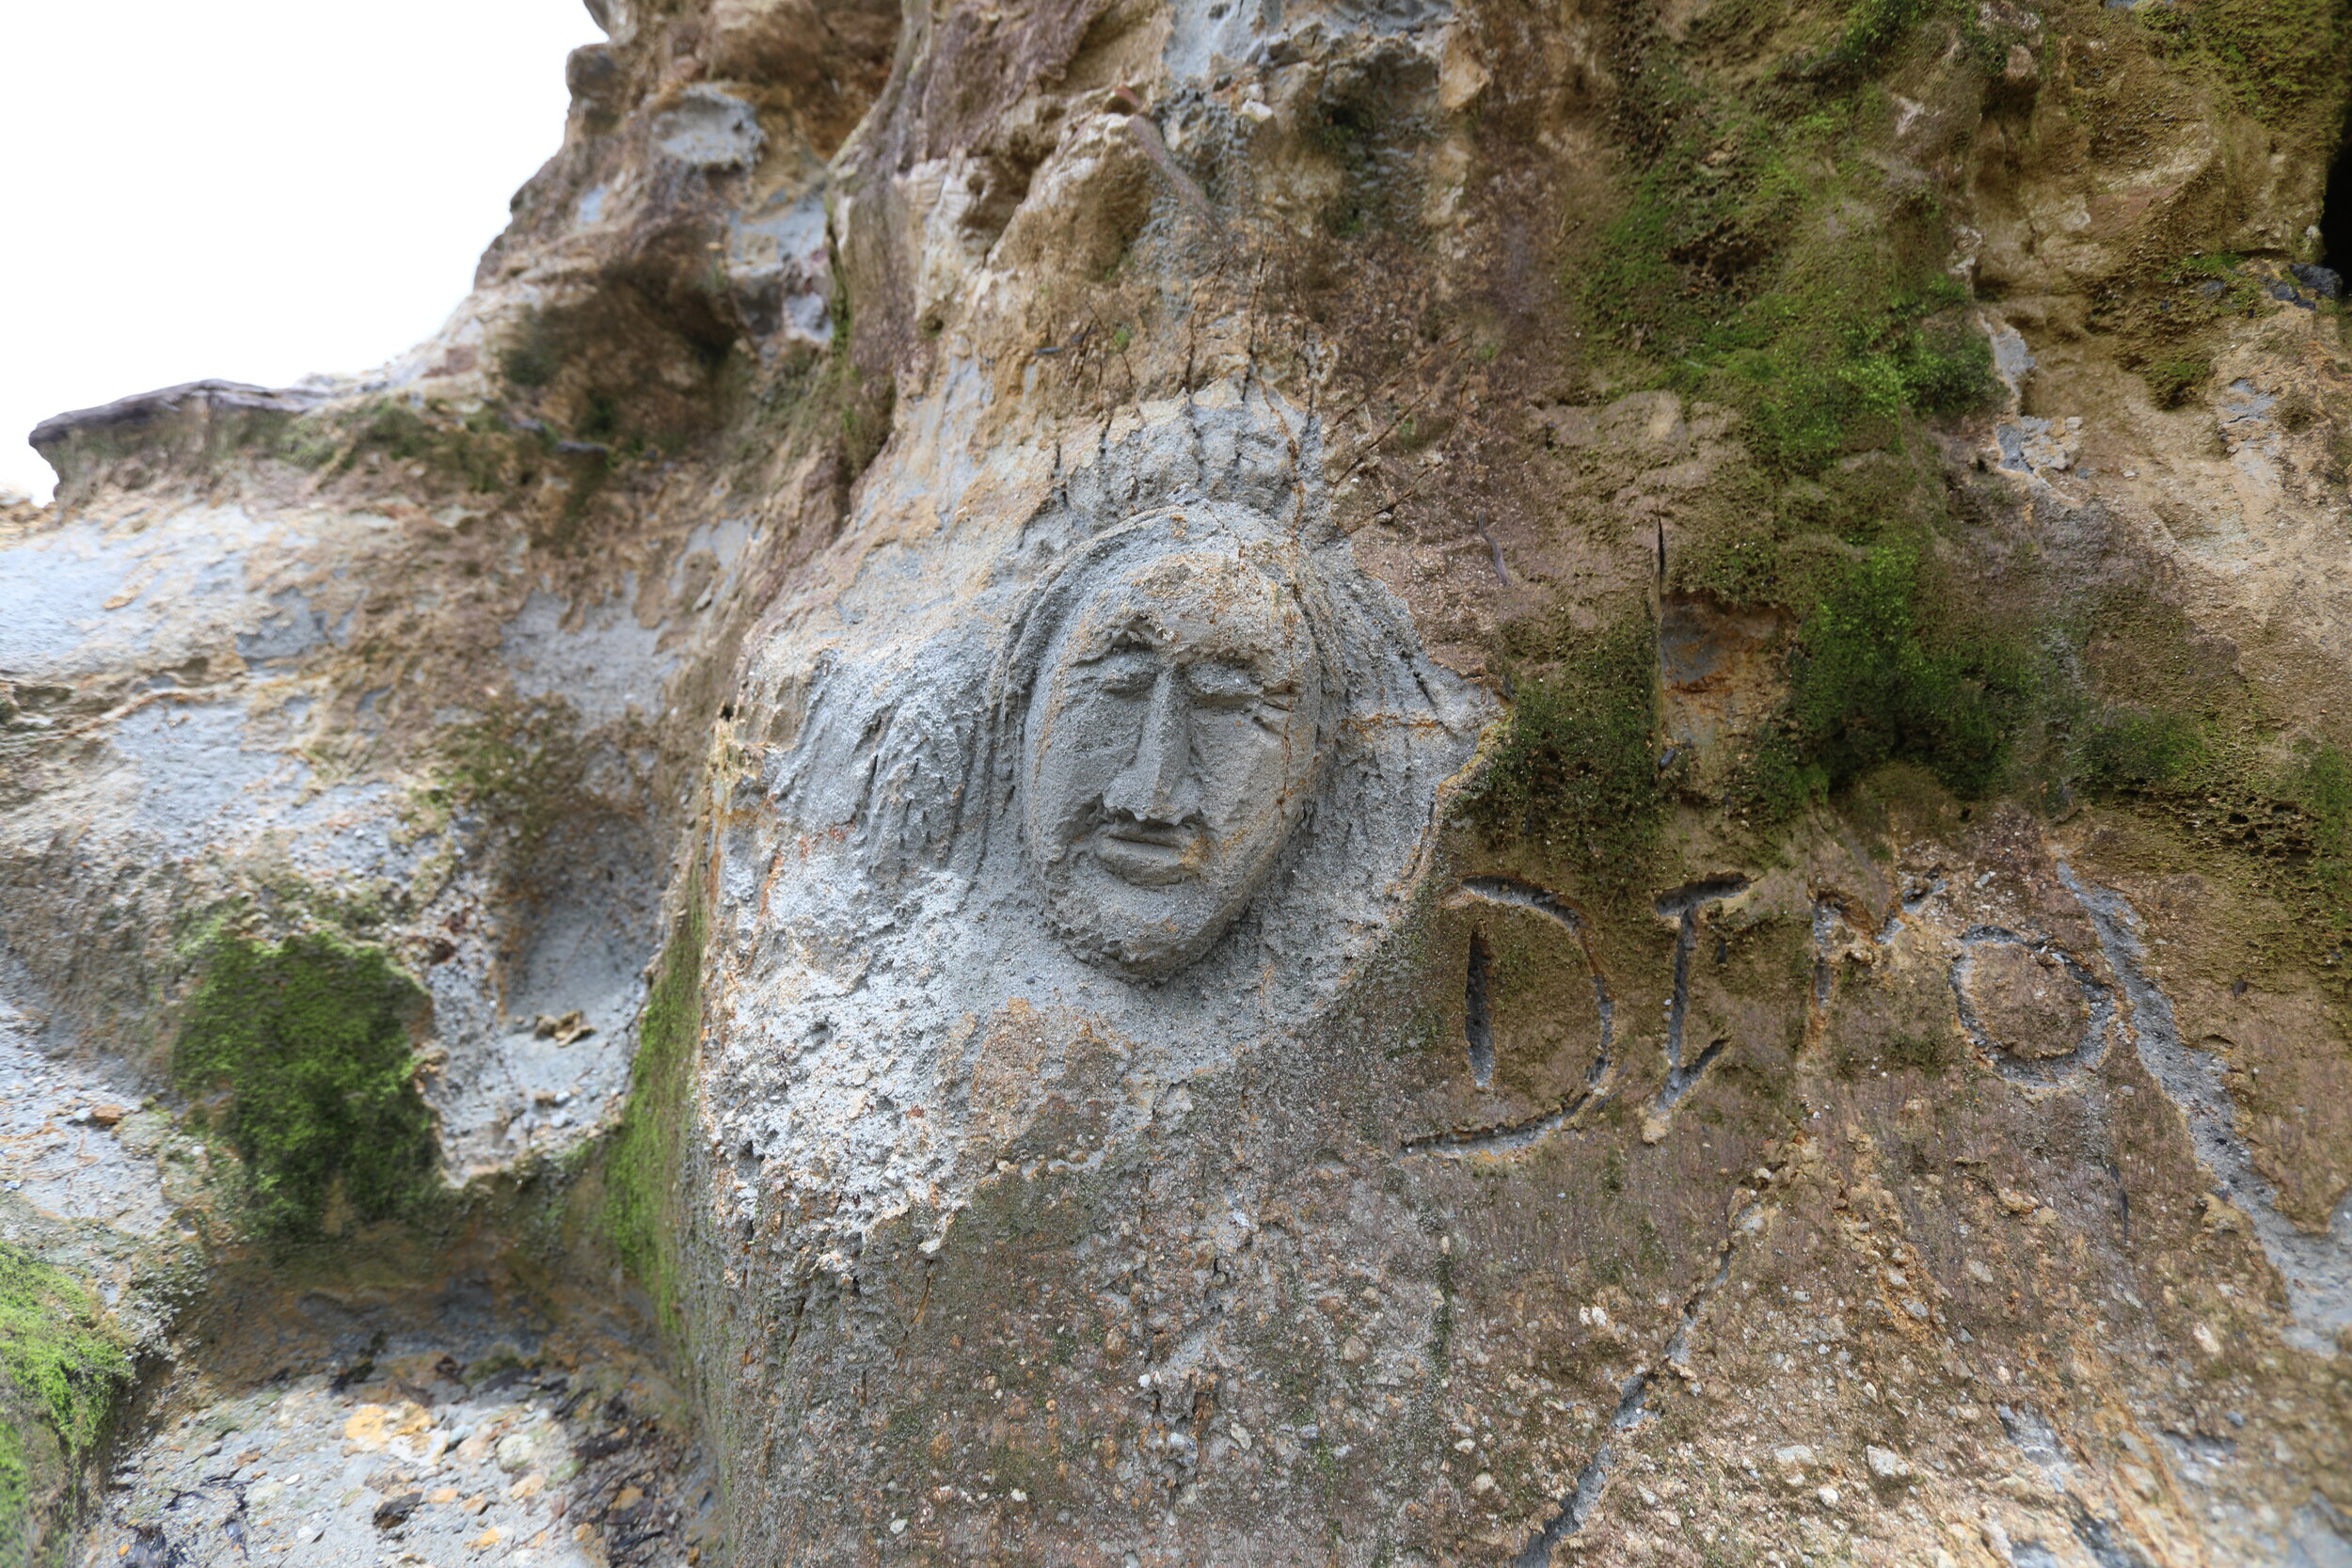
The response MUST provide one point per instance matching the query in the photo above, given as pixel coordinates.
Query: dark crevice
(2335, 215)
(1478, 1020)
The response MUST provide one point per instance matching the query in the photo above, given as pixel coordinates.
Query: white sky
(251, 189)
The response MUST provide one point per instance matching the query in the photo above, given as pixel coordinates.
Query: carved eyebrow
(1131, 634)
(1233, 676)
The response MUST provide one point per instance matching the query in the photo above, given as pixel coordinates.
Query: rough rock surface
(1158, 782)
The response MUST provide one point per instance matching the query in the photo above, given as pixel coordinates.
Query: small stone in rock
(2324, 281)
(564, 1029)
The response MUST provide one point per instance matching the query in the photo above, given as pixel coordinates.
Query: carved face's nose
(1156, 784)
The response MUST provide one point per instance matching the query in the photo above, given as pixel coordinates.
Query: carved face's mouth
(1147, 853)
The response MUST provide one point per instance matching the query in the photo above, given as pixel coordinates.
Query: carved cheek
(1292, 756)
(1244, 774)
(1084, 741)
(1287, 765)
(1055, 783)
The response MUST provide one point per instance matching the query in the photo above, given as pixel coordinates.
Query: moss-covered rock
(642, 1199)
(1577, 770)
(306, 1047)
(63, 1372)
(1871, 683)
(1761, 256)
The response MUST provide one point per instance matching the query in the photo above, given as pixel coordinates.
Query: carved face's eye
(1215, 684)
(1127, 669)
(1236, 688)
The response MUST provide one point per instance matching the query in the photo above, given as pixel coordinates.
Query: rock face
(1183, 782)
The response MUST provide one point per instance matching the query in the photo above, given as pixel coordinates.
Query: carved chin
(1147, 925)
(1148, 957)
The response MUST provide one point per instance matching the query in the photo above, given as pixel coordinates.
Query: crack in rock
(2317, 1268)
(1633, 1401)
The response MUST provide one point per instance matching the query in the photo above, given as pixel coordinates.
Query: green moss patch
(2322, 785)
(516, 763)
(309, 1041)
(2167, 320)
(2173, 380)
(640, 1172)
(643, 372)
(65, 1372)
(16, 1493)
(2222, 802)
(1762, 259)
(481, 451)
(1872, 28)
(1787, 542)
(2133, 749)
(1871, 681)
(1577, 770)
(54, 1349)
(2273, 56)
(2165, 726)
(1825, 366)
(1768, 254)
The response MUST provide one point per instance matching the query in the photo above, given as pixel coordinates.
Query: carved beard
(1147, 933)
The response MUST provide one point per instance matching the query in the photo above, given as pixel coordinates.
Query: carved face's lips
(1149, 854)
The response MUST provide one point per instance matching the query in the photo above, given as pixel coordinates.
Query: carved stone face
(1170, 747)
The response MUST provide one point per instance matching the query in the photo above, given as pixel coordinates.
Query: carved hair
(911, 760)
